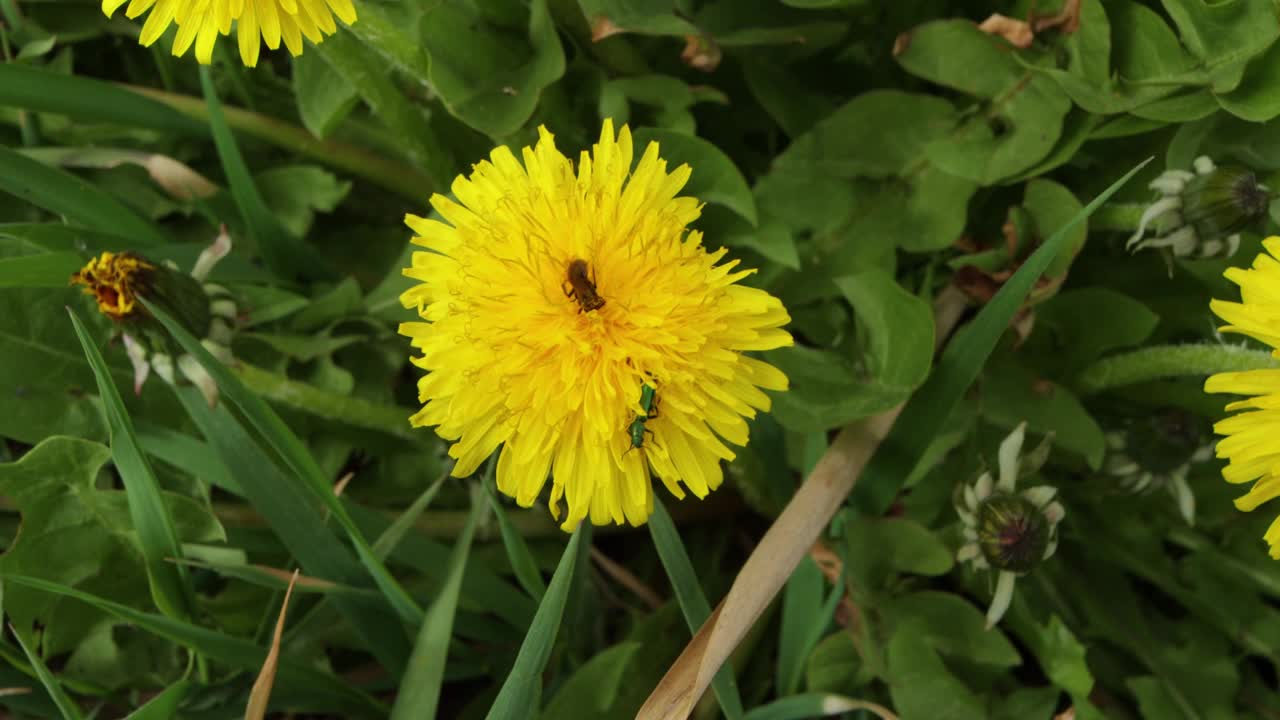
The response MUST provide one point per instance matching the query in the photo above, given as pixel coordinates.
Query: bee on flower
(560, 306)
(1006, 531)
(200, 22)
(118, 280)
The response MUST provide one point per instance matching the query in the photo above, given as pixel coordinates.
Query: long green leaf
(34, 88)
(518, 698)
(66, 706)
(390, 538)
(961, 362)
(284, 254)
(419, 696)
(62, 193)
(320, 690)
(693, 603)
(281, 439)
(815, 705)
(157, 535)
(42, 270)
(293, 516)
(522, 562)
(163, 706)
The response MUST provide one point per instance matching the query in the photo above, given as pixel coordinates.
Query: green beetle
(648, 401)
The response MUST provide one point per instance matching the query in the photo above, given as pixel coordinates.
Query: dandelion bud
(1199, 214)
(1013, 534)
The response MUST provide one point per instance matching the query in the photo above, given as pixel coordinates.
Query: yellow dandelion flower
(573, 320)
(200, 22)
(114, 280)
(1252, 442)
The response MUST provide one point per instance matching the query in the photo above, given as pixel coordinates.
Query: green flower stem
(310, 399)
(1119, 217)
(1165, 361)
(535, 522)
(407, 181)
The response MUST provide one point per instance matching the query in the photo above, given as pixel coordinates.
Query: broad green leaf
(520, 691)
(1022, 119)
(921, 685)
(423, 679)
(693, 601)
(50, 270)
(959, 366)
(66, 706)
(593, 688)
(878, 548)
(78, 535)
(715, 178)
(835, 665)
(487, 74)
(361, 67)
(1051, 206)
(62, 193)
(646, 17)
(1257, 98)
(828, 390)
(1011, 393)
(862, 173)
(300, 461)
(298, 685)
(1224, 35)
(296, 193)
(283, 253)
(954, 627)
(157, 537)
(324, 97)
(1069, 335)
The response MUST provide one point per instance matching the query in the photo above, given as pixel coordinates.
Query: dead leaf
(780, 550)
(602, 27)
(1017, 32)
(901, 43)
(1066, 20)
(701, 53)
(260, 695)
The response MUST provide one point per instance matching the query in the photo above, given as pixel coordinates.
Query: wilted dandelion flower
(1252, 442)
(1007, 531)
(573, 320)
(117, 281)
(1201, 213)
(200, 22)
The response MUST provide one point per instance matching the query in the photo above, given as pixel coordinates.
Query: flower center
(114, 280)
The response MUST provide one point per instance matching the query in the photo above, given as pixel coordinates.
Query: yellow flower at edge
(114, 280)
(551, 297)
(200, 22)
(1252, 442)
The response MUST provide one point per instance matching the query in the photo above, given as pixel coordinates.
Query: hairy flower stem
(1165, 361)
(407, 181)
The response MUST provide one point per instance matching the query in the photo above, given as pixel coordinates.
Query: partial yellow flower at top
(572, 319)
(1252, 442)
(201, 21)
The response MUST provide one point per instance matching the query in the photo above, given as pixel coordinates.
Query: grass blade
(260, 694)
(62, 193)
(693, 603)
(66, 706)
(163, 706)
(319, 690)
(157, 535)
(43, 270)
(518, 698)
(390, 538)
(814, 705)
(282, 253)
(522, 562)
(287, 445)
(420, 687)
(293, 516)
(34, 88)
(801, 605)
(959, 366)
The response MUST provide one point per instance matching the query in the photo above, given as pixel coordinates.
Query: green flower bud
(1013, 534)
(1224, 202)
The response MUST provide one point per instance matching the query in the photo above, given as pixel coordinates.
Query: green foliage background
(861, 154)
